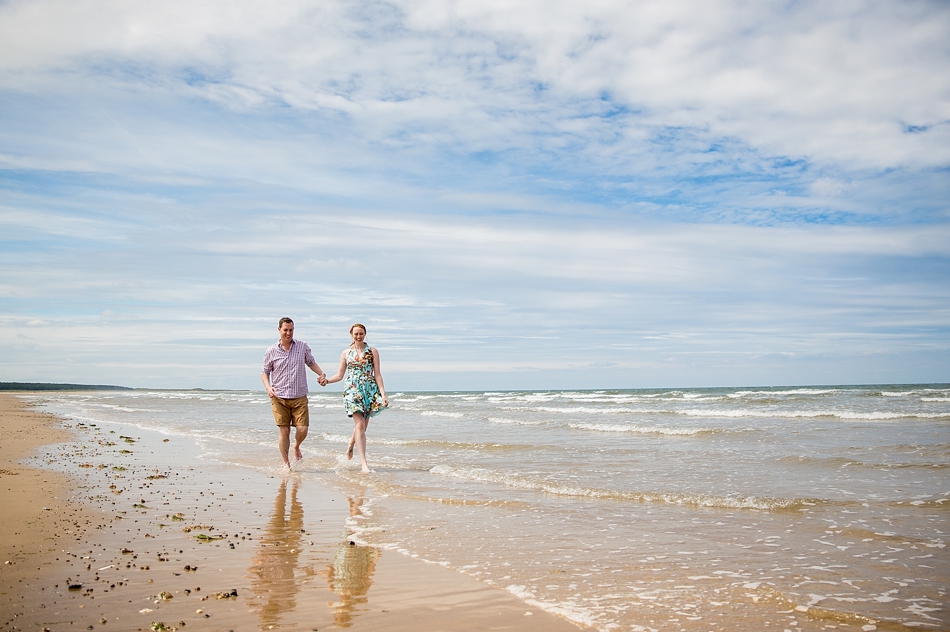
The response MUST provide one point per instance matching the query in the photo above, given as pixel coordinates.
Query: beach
(125, 529)
(793, 508)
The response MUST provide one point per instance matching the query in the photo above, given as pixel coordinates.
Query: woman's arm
(378, 374)
(341, 371)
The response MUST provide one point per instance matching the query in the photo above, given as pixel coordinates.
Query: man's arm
(265, 378)
(321, 376)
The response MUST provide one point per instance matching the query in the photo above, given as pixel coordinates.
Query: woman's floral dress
(360, 393)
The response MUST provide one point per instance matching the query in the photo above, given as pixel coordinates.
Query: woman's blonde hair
(354, 326)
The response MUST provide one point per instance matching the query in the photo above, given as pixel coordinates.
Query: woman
(364, 394)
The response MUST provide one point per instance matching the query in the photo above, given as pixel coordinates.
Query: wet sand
(110, 527)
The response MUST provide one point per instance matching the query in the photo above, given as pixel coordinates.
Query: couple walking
(284, 375)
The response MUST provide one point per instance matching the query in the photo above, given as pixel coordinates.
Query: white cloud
(833, 83)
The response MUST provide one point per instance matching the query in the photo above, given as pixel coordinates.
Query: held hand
(322, 380)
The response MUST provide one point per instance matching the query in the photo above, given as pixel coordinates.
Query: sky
(509, 195)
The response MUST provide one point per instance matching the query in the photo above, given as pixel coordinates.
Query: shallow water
(697, 509)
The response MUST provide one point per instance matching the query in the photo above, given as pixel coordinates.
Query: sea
(792, 508)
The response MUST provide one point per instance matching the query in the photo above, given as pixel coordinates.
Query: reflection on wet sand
(273, 581)
(350, 575)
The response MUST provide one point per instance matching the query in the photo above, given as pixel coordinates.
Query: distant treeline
(40, 386)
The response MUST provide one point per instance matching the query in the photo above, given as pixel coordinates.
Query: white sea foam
(521, 481)
(588, 410)
(125, 409)
(807, 414)
(441, 413)
(642, 429)
(796, 391)
(435, 443)
(517, 422)
(538, 397)
(737, 412)
(569, 612)
(335, 438)
(418, 398)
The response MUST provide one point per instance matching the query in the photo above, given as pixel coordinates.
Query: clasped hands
(322, 380)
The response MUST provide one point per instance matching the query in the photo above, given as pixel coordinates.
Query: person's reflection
(272, 575)
(351, 573)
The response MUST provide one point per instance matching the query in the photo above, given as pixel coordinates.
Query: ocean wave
(606, 410)
(735, 413)
(693, 396)
(439, 413)
(795, 391)
(124, 409)
(519, 481)
(643, 429)
(598, 398)
(518, 422)
(935, 399)
(419, 398)
(886, 536)
(928, 503)
(539, 397)
(839, 462)
(435, 443)
(808, 414)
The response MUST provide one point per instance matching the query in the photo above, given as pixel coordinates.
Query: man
(285, 379)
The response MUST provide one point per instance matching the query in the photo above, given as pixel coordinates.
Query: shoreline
(40, 514)
(137, 530)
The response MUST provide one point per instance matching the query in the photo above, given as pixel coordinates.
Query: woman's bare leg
(359, 435)
(350, 445)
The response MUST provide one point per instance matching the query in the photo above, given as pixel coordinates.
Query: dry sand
(121, 529)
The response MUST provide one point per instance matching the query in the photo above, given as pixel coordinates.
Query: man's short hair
(283, 320)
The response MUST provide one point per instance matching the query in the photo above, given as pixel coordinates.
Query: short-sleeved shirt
(288, 369)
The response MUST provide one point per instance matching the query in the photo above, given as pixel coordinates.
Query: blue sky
(509, 195)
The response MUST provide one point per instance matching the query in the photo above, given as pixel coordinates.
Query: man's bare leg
(360, 424)
(283, 444)
(299, 436)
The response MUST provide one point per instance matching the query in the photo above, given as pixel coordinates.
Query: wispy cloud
(507, 193)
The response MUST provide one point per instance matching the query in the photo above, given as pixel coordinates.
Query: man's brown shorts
(291, 412)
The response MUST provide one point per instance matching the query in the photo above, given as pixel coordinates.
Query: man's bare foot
(349, 450)
(297, 453)
(285, 468)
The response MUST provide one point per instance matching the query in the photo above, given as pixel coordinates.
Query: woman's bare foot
(349, 450)
(366, 470)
